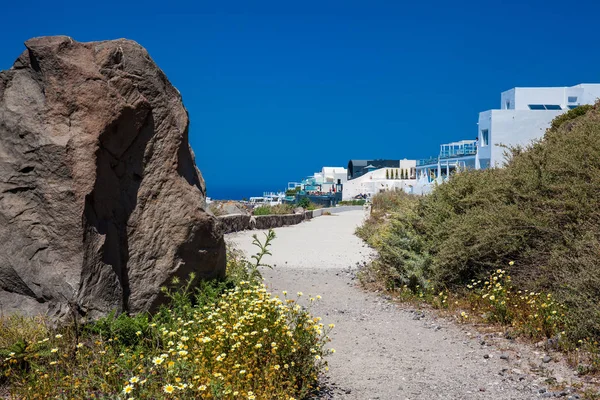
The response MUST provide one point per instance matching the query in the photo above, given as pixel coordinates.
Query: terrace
(458, 149)
(428, 161)
(464, 148)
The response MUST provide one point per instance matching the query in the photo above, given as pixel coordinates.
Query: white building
(328, 180)
(452, 157)
(524, 115)
(335, 175)
(381, 180)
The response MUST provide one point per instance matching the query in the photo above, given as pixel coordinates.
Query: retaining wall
(239, 222)
(276, 221)
(234, 222)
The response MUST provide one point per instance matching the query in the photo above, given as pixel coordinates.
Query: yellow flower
(202, 388)
(169, 388)
(128, 389)
(134, 379)
(511, 263)
(54, 350)
(492, 297)
(158, 360)
(58, 336)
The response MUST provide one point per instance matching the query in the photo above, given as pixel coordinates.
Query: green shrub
(304, 202)
(542, 211)
(123, 326)
(572, 114)
(262, 210)
(307, 204)
(402, 258)
(277, 209)
(293, 192)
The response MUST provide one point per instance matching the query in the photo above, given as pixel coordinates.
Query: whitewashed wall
(374, 182)
(510, 128)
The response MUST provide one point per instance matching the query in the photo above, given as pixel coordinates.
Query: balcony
(427, 161)
(452, 153)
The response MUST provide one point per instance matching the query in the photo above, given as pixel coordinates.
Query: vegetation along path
(384, 350)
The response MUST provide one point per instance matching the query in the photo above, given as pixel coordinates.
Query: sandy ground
(384, 350)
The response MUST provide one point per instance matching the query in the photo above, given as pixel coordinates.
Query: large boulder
(101, 202)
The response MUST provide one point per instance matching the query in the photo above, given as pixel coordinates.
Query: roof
(369, 166)
(359, 163)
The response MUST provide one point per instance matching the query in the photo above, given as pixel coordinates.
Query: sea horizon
(238, 193)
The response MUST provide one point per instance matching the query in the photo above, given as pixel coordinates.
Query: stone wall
(234, 222)
(276, 221)
(240, 222)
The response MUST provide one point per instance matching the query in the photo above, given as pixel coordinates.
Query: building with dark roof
(358, 168)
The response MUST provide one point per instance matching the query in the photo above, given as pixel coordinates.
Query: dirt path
(382, 350)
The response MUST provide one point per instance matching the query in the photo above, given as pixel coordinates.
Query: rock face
(101, 203)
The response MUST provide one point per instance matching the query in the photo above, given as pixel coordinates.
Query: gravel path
(383, 350)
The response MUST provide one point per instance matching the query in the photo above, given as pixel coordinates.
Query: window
(572, 99)
(544, 107)
(537, 107)
(553, 107)
(485, 137)
(572, 107)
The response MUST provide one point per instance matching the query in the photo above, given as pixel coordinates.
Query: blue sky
(277, 89)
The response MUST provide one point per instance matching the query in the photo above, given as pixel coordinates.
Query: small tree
(304, 202)
(387, 174)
